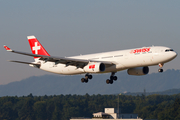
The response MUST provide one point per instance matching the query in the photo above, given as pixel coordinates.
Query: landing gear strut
(160, 67)
(87, 76)
(112, 78)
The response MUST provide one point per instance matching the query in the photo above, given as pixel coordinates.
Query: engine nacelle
(138, 71)
(94, 67)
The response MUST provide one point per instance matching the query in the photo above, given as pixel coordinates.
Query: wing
(63, 60)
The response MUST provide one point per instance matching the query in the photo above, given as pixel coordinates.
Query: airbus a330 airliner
(136, 61)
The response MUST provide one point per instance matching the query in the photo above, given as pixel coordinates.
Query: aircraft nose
(175, 54)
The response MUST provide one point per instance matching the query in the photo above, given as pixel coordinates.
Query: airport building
(112, 113)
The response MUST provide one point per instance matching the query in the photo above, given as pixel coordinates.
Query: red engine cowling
(94, 67)
(138, 71)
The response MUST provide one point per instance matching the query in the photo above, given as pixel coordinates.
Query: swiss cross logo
(36, 48)
(140, 50)
(91, 66)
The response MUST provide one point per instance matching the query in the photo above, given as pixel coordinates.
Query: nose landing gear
(112, 78)
(160, 67)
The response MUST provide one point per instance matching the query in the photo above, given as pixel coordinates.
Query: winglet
(7, 48)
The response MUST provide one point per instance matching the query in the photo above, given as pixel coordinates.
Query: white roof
(100, 113)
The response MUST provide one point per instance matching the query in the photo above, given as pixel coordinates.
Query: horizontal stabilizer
(24, 62)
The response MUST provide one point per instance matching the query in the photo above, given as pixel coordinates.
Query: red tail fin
(36, 46)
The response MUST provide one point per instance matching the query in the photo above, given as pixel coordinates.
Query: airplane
(135, 61)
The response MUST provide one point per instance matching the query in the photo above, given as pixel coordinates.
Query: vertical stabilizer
(36, 46)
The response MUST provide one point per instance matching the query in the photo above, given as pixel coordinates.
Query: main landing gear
(108, 81)
(112, 78)
(87, 76)
(160, 67)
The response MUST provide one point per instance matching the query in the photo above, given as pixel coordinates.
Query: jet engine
(138, 71)
(94, 67)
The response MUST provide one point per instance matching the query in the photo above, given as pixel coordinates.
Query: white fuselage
(122, 59)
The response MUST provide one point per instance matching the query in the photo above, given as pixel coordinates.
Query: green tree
(25, 110)
(40, 110)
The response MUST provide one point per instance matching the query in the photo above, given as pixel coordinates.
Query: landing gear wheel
(160, 70)
(112, 78)
(107, 81)
(82, 80)
(86, 77)
(111, 81)
(86, 81)
(115, 78)
(89, 76)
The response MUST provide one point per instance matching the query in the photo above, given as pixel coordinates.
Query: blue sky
(69, 27)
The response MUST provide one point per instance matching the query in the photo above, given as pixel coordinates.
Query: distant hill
(57, 84)
(166, 92)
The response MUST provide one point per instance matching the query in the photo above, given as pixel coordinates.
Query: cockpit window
(171, 50)
(167, 50)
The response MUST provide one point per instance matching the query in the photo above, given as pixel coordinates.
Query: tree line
(63, 107)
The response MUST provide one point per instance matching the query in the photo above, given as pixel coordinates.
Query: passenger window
(118, 56)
